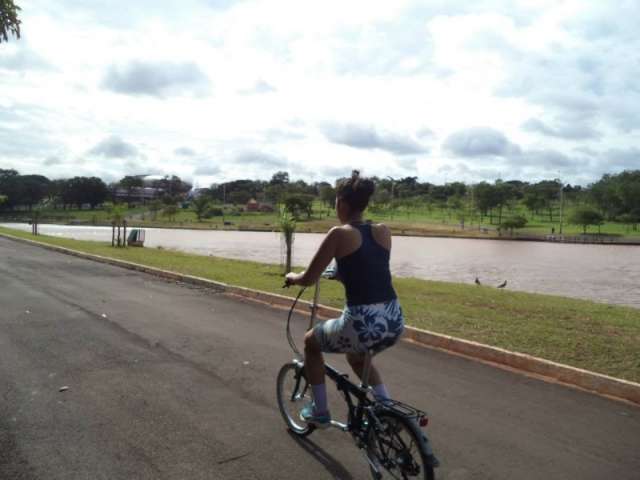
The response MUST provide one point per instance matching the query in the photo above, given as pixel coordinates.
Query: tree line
(26, 191)
(614, 197)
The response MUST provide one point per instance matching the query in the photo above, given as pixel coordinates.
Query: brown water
(604, 273)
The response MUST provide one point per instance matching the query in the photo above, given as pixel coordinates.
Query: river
(603, 273)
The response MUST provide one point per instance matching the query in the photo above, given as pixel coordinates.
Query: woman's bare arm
(326, 252)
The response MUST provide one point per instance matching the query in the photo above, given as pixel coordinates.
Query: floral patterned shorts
(362, 328)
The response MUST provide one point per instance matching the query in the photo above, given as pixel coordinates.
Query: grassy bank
(580, 333)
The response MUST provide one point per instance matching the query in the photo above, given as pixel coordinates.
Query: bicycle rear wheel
(294, 392)
(397, 449)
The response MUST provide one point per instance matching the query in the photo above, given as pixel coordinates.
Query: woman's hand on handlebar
(292, 278)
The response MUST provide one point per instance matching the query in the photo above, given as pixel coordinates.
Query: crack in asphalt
(233, 459)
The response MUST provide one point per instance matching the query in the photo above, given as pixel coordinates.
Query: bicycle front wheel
(294, 392)
(397, 449)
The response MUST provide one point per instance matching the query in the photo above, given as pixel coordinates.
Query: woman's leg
(314, 368)
(313, 360)
(356, 360)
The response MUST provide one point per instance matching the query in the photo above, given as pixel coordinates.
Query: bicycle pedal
(320, 425)
(433, 461)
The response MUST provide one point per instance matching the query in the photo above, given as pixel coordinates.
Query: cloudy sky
(214, 90)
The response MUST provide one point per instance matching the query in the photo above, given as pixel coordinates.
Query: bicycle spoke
(396, 451)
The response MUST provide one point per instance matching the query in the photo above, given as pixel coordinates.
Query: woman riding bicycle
(372, 318)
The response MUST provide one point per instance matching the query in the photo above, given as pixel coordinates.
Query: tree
(533, 201)
(239, 197)
(54, 193)
(513, 223)
(485, 198)
(301, 187)
(380, 196)
(32, 189)
(287, 230)
(81, 190)
(129, 183)
(169, 200)
(279, 178)
(93, 191)
(9, 187)
(154, 207)
(547, 191)
(299, 203)
(170, 212)
(117, 213)
(551, 193)
(586, 216)
(406, 187)
(200, 205)
(616, 195)
(630, 219)
(628, 190)
(172, 186)
(6, 176)
(277, 187)
(9, 22)
(605, 196)
(503, 193)
(327, 195)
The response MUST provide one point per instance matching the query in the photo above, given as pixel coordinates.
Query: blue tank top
(365, 272)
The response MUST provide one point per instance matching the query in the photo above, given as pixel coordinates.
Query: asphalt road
(168, 381)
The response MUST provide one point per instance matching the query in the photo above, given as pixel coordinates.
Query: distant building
(254, 206)
(149, 191)
(137, 194)
(265, 207)
(150, 180)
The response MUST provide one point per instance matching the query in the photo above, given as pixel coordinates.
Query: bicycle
(387, 431)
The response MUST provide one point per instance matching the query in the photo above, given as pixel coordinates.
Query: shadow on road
(334, 467)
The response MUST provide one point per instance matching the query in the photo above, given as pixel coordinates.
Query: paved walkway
(172, 382)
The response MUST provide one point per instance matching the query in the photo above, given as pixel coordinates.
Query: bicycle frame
(349, 390)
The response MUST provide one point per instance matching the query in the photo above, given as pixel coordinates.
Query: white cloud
(224, 89)
(114, 147)
(568, 130)
(259, 87)
(184, 152)
(156, 79)
(480, 142)
(368, 137)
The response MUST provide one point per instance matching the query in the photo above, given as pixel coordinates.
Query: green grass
(580, 333)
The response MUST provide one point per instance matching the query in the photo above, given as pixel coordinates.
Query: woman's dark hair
(355, 190)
